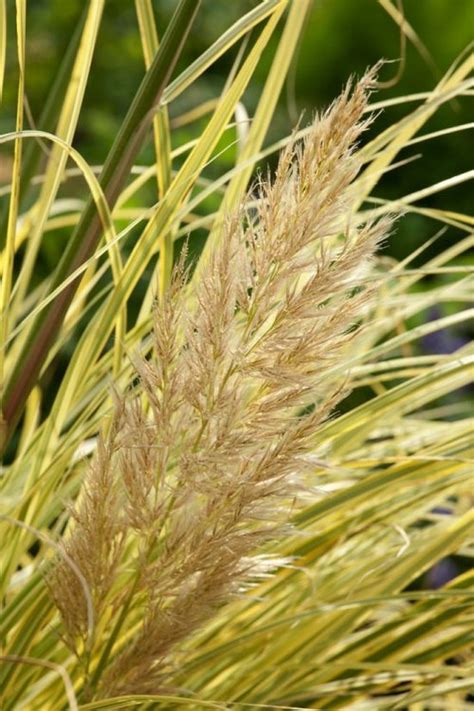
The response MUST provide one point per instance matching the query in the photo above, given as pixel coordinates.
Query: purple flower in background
(443, 341)
(440, 574)
(445, 569)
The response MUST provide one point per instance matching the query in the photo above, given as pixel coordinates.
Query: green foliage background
(402, 444)
(341, 37)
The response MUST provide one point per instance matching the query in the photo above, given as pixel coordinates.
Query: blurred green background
(342, 37)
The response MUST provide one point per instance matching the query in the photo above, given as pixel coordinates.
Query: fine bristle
(200, 467)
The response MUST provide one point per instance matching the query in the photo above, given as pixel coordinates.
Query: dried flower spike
(202, 462)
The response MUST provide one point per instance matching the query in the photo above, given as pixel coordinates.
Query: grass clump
(198, 514)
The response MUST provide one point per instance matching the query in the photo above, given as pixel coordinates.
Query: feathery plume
(95, 540)
(201, 466)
